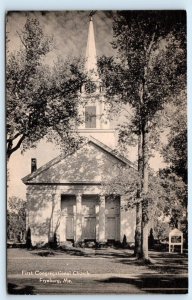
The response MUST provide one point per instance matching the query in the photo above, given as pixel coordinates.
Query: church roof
(112, 152)
(91, 141)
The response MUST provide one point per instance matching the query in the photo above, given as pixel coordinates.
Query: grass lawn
(91, 271)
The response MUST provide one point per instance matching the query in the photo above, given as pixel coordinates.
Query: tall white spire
(91, 56)
(95, 120)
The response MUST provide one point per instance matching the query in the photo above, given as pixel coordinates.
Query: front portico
(86, 217)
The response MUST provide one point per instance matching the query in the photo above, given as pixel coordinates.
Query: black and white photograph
(96, 128)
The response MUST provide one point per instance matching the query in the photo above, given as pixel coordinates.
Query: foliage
(174, 176)
(16, 218)
(40, 100)
(150, 67)
(150, 62)
(123, 182)
(167, 194)
(161, 230)
(175, 151)
(170, 210)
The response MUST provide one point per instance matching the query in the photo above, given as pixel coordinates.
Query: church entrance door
(89, 217)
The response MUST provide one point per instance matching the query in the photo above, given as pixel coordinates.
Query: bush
(28, 239)
(54, 242)
(151, 239)
(124, 242)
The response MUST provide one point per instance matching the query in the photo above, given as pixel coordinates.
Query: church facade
(67, 196)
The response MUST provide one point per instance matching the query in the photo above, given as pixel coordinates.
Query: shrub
(124, 242)
(54, 242)
(28, 239)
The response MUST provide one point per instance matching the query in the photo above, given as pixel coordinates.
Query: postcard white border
(6, 5)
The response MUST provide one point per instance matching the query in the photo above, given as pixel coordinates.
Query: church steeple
(95, 121)
(91, 55)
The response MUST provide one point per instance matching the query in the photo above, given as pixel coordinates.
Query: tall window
(90, 117)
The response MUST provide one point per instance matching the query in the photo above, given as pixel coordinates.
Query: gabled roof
(112, 152)
(90, 140)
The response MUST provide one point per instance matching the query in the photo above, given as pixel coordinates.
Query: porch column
(57, 217)
(97, 222)
(53, 217)
(62, 228)
(27, 212)
(78, 219)
(102, 218)
(123, 218)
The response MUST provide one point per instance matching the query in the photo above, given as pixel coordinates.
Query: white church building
(67, 196)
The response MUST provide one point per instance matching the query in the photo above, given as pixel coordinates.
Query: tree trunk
(145, 216)
(137, 250)
(138, 241)
(145, 231)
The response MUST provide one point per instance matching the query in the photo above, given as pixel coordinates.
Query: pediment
(90, 164)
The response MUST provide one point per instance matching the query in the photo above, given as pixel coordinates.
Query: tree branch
(14, 137)
(10, 150)
(142, 84)
(151, 43)
(21, 40)
(128, 112)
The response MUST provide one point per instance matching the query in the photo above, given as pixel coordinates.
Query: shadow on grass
(15, 289)
(86, 252)
(44, 253)
(51, 253)
(152, 284)
(76, 252)
(170, 267)
(168, 255)
(106, 254)
(162, 263)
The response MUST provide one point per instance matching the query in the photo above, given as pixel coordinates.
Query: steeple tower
(94, 111)
(91, 56)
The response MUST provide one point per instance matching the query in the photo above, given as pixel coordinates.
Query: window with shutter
(90, 117)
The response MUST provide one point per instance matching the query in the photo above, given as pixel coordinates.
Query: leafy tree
(124, 181)
(148, 69)
(174, 176)
(41, 102)
(175, 151)
(171, 209)
(162, 229)
(16, 218)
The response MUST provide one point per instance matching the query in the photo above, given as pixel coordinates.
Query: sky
(69, 31)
